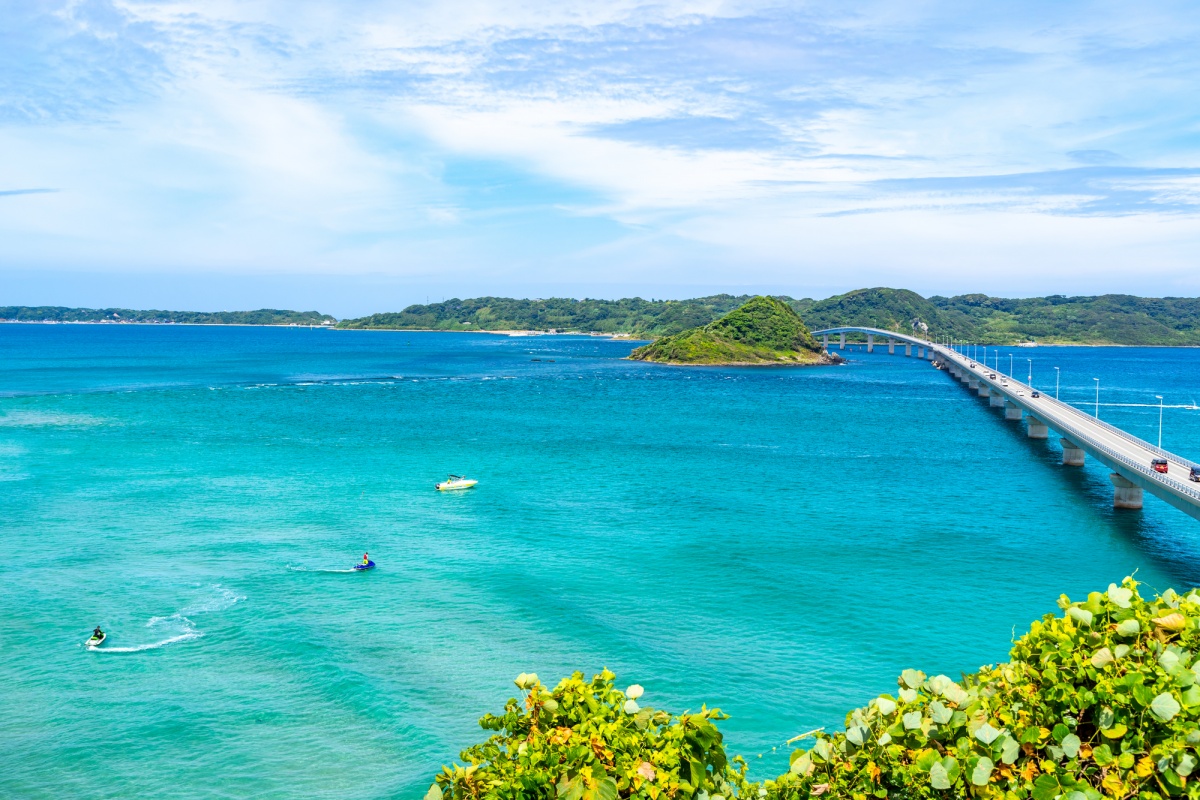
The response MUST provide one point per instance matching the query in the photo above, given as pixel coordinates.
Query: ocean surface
(780, 543)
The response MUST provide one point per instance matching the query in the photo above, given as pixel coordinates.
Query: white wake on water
(179, 625)
(319, 569)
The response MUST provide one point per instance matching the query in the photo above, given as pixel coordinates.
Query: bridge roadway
(1126, 455)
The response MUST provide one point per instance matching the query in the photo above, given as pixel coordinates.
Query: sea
(776, 542)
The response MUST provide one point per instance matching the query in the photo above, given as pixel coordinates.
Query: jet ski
(368, 565)
(96, 641)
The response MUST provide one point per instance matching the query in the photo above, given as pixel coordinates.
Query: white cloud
(275, 135)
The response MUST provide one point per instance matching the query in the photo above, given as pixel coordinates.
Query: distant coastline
(1082, 321)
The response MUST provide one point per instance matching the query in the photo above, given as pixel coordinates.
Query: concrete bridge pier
(1036, 428)
(870, 343)
(1072, 453)
(908, 349)
(984, 391)
(920, 352)
(891, 347)
(1012, 410)
(1126, 493)
(842, 345)
(973, 384)
(996, 400)
(825, 339)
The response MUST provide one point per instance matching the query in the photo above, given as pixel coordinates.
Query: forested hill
(636, 316)
(1107, 319)
(263, 316)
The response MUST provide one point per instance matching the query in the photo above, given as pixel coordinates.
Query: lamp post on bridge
(1010, 364)
(1057, 375)
(1160, 407)
(1029, 381)
(1097, 380)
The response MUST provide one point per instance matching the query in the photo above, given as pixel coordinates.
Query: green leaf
(1119, 595)
(953, 770)
(857, 734)
(1129, 627)
(1070, 745)
(986, 733)
(938, 777)
(1191, 698)
(1187, 763)
(912, 678)
(605, 790)
(982, 771)
(1164, 707)
(1010, 750)
(1046, 787)
(1106, 718)
(885, 705)
(1060, 732)
(926, 760)
(912, 720)
(434, 793)
(940, 714)
(1102, 658)
(1102, 754)
(1080, 615)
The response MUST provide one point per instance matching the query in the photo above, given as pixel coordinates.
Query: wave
(183, 637)
(179, 625)
(320, 569)
(39, 419)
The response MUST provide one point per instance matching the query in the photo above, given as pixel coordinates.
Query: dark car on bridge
(1160, 465)
(1036, 394)
(1194, 475)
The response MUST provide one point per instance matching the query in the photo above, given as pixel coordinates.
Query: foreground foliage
(586, 740)
(1101, 702)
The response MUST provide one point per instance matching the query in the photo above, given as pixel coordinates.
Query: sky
(359, 156)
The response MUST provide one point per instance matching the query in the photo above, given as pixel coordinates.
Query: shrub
(1103, 701)
(587, 740)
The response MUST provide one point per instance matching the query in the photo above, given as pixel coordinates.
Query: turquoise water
(779, 543)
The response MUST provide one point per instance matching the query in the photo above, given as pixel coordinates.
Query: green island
(1101, 702)
(763, 330)
(263, 316)
(1094, 320)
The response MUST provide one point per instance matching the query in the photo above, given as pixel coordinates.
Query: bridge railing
(1113, 429)
(1080, 437)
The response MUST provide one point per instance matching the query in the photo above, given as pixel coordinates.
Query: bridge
(1080, 434)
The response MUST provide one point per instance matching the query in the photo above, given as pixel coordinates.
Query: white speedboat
(456, 482)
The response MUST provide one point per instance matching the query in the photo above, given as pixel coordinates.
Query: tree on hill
(764, 330)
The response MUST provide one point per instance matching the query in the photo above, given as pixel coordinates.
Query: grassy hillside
(263, 316)
(764, 330)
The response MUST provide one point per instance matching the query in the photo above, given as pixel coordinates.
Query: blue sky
(359, 156)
